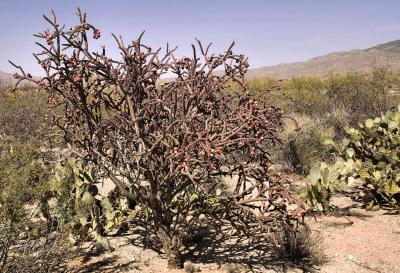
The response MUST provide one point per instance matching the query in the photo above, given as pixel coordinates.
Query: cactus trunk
(171, 244)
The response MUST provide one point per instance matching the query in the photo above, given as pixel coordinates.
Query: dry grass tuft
(189, 267)
(299, 248)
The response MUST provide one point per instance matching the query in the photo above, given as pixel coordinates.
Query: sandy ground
(360, 242)
(357, 242)
(366, 242)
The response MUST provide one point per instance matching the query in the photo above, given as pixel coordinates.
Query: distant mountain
(5, 78)
(362, 61)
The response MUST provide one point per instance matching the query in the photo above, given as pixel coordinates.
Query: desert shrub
(23, 114)
(369, 153)
(265, 89)
(305, 96)
(31, 254)
(302, 149)
(341, 100)
(382, 82)
(26, 172)
(262, 85)
(24, 180)
(320, 105)
(339, 120)
(166, 147)
(358, 94)
(24, 169)
(362, 95)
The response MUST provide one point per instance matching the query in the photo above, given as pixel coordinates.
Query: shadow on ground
(211, 244)
(207, 245)
(221, 247)
(107, 265)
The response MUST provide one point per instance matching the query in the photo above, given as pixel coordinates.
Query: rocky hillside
(362, 61)
(5, 78)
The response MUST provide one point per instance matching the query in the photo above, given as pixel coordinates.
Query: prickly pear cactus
(371, 154)
(375, 148)
(82, 211)
(326, 179)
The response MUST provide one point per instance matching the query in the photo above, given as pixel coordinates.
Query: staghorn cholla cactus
(166, 144)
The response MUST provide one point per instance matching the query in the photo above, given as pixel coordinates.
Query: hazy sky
(269, 32)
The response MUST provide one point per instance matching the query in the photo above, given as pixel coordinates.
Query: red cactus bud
(49, 37)
(16, 75)
(96, 34)
(78, 78)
